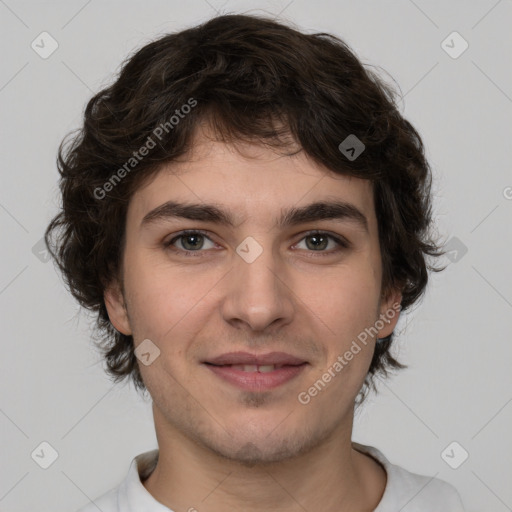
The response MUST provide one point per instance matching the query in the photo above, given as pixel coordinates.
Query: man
(247, 213)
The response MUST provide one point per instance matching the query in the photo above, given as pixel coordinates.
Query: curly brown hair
(250, 78)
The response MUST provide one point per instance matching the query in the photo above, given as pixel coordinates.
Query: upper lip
(275, 358)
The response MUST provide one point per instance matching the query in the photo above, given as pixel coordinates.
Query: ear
(116, 308)
(389, 312)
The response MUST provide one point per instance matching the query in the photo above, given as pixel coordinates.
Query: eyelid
(184, 233)
(342, 242)
(339, 239)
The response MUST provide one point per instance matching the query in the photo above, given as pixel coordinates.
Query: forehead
(251, 180)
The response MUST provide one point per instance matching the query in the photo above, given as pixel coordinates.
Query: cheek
(349, 310)
(164, 301)
(347, 302)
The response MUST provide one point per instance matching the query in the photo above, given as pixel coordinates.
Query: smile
(251, 377)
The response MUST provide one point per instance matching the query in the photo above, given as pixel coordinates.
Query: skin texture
(223, 448)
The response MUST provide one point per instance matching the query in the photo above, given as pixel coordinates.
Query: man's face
(257, 286)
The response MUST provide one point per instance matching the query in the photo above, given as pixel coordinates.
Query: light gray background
(458, 343)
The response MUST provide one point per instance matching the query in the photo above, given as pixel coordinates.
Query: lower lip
(256, 381)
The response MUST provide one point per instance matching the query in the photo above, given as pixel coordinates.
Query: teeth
(254, 368)
(245, 367)
(266, 368)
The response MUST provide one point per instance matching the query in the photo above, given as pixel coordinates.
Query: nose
(259, 294)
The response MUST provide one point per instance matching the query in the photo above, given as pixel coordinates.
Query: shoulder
(411, 492)
(130, 495)
(105, 503)
(420, 493)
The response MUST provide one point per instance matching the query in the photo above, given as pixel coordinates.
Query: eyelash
(342, 243)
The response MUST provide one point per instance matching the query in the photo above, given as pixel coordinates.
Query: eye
(190, 241)
(193, 241)
(318, 241)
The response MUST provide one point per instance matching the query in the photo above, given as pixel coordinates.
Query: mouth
(240, 358)
(253, 372)
(251, 368)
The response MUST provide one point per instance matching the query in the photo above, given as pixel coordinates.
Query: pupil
(316, 245)
(195, 244)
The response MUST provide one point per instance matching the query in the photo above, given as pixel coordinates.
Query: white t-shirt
(405, 491)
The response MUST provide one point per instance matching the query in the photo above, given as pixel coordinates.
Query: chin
(267, 446)
(250, 454)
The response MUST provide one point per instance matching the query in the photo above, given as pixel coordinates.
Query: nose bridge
(257, 293)
(256, 265)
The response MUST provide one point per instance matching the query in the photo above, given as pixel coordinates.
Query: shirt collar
(132, 495)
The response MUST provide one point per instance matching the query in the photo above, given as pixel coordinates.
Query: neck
(332, 477)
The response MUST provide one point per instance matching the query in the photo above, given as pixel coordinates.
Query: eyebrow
(317, 211)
